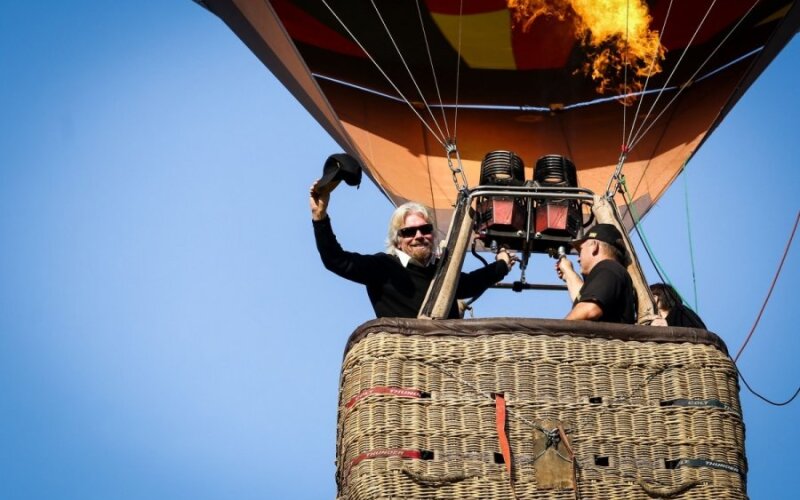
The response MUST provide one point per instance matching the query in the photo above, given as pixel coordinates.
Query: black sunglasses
(410, 232)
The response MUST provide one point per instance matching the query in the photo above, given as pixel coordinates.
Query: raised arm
(318, 200)
(567, 273)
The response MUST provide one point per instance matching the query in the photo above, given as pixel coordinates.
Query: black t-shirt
(609, 286)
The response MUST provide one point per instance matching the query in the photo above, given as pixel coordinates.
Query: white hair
(398, 219)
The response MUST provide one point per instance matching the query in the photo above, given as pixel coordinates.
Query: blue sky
(166, 328)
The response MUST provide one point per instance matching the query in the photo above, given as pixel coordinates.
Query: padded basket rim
(531, 326)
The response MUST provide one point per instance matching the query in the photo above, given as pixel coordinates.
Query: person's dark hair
(666, 295)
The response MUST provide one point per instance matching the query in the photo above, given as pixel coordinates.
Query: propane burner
(502, 168)
(501, 219)
(555, 171)
(561, 218)
(525, 221)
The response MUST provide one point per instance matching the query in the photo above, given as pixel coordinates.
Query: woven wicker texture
(417, 418)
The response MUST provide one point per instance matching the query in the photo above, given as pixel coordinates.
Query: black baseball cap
(603, 232)
(340, 166)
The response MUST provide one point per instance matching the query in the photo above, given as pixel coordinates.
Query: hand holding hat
(339, 167)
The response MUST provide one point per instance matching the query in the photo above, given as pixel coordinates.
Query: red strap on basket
(505, 447)
(382, 453)
(500, 414)
(400, 392)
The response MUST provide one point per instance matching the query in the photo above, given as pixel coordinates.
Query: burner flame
(615, 35)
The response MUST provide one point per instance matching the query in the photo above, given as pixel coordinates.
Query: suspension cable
(627, 140)
(378, 67)
(625, 69)
(458, 66)
(640, 231)
(457, 170)
(624, 148)
(639, 136)
(689, 232)
(617, 175)
(662, 274)
(771, 288)
(433, 69)
(408, 70)
(674, 69)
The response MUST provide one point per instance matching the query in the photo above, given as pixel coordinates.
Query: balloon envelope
(392, 81)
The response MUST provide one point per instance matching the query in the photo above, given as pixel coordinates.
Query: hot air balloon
(624, 91)
(395, 83)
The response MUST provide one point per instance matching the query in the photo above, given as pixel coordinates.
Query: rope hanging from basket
(771, 288)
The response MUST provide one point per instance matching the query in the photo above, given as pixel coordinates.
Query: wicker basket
(643, 412)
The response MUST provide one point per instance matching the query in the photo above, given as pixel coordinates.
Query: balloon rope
(640, 134)
(653, 146)
(627, 140)
(378, 67)
(625, 146)
(762, 398)
(635, 138)
(689, 231)
(433, 70)
(625, 67)
(771, 288)
(640, 231)
(662, 274)
(617, 175)
(408, 70)
(458, 66)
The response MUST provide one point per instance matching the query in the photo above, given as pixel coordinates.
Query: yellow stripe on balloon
(485, 38)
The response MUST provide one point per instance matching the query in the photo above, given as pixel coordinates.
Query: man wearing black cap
(606, 292)
(397, 280)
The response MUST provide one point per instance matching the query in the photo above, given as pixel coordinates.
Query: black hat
(341, 167)
(603, 232)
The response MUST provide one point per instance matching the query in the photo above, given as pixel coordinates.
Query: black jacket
(394, 290)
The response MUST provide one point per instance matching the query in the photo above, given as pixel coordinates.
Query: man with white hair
(397, 280)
